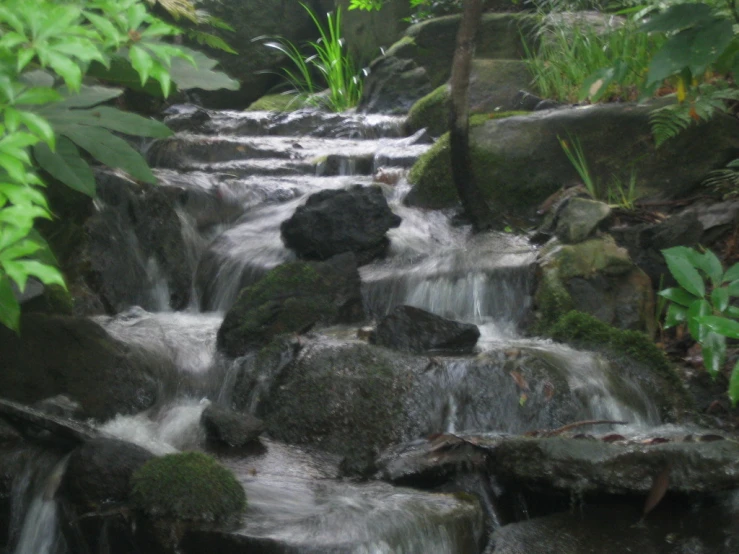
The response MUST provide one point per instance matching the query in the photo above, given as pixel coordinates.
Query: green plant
(46, 113)
(574, 152)
(570, 51)
(329, 66)
(700, 42)
(189, 486)
(622, 193)
(703, 301)
(725, 181)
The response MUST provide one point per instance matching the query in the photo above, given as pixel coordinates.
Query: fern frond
(178, 9)
(669, 121)
(725, 181)
(208, 39)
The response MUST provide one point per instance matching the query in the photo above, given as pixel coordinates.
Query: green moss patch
(277, 103)
(190, 486)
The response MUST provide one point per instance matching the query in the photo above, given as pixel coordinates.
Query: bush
(189, 486)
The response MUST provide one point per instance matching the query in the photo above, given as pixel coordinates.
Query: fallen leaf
(660, 484)
(520, 381)
(522, 399)
(613, 437)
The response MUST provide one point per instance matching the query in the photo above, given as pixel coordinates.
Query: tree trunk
(473, 202)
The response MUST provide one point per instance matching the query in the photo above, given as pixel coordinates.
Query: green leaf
(694, 48)
(141, 62)
(186, 76)
(734, 385)
(66, 165)
(86, 97)
(711, 265)
(675, 315)
(720, 298)
(38, 95)
(721, 325)
(113, 119)
(45, 273)
(714, 353)
(678, 295)
(678, 17)
(20, 249)
(67, 68)
(732, 311)
(732, 274)
(697, 310)
(681, 267)
(733, 288)
(10, 311)
(110, 150)
(38, 126)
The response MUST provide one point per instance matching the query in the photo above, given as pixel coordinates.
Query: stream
(245, 174)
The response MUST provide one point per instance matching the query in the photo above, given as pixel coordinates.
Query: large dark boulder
(99, 472)
(76, 357)
(415, 330)
(291, 299)
(336, 221)
(229, 427)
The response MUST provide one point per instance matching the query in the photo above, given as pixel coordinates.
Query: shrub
(189, 486)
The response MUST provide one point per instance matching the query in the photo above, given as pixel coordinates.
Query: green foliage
(190, 486)
(703, 302)
(700, 41)
(618, 192)
(725, 181)
(572, 51)
(329, 65)
(47, 114)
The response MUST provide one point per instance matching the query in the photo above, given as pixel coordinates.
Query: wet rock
(336, 221)
(611, 529)
(135, 243)
(99, 472)
(519, 162)
(579, 218)
(422, 60)
(596, 277)
(414, 330)
(229, 427)
(60, 405)
(76, 357)
(292, 298)
(48, 428)
(186, 118)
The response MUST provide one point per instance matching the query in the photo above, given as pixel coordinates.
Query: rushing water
(246, 175)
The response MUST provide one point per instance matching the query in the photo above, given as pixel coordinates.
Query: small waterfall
(39, 532)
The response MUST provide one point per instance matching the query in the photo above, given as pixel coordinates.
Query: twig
(569, 426)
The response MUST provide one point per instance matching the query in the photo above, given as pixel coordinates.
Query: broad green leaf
(596, 85)
(694, 48)
(721, 325)
(110, 150)
(720, 298)
(15, 167)
(23, 194)
(22, 215)
(116, 120)
(10, 311)
(141, 62)
(734, 385)
(678, 295)
(732, 311)
(87, 97)
(678, 261)
(39, 127)
(732, 274)
(675, 315)
(733, 288)
(714, 352)
(20, 249)
(44, 255)
(711, 265)
(37, 78)
(38, 95)
(696, 311)
(45, 273)
(67, 68)
(66, 165)
(186, 76)
(678, 17)
(161, 74)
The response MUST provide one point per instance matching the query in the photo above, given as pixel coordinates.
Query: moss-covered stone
(430, 112)
(291, 298)
(189, 486)
(585, 331)
(277, 103)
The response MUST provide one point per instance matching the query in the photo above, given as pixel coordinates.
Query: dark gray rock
(393, 86)
(229, 427)
(292, 298)
(76, 357)
(60, 405)
(332, 222)
(99, 472)
(414, 330)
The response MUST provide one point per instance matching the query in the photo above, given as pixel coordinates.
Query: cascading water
(240, 186)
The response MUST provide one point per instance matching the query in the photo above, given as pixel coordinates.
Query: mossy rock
(278, 103)
(518, 161)
(493, 85)
(585, 331)
(291, 298)
(188, 486)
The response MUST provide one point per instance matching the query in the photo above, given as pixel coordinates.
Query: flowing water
(246, 173)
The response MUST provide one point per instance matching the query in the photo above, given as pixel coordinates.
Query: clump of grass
(327, 66)
(572, 51)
